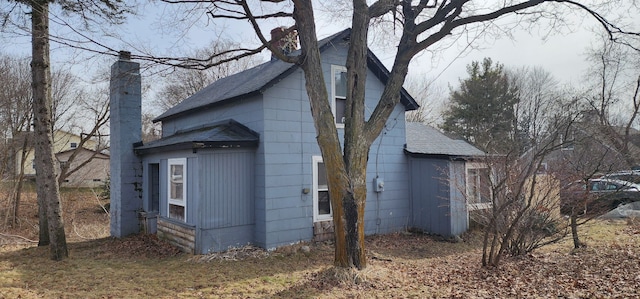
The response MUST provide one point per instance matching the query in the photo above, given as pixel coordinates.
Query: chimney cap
(124, 55)
(287, 43)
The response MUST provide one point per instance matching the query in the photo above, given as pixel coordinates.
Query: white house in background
(91, 174)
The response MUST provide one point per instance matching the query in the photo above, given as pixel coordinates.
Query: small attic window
(339, 93)
(74, 145)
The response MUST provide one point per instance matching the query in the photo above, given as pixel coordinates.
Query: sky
(161, 31)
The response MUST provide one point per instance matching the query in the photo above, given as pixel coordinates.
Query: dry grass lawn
(400, 266)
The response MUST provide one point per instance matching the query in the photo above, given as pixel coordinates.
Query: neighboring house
(92, 168)
(591, 149)
(238, 162)
(64, 143)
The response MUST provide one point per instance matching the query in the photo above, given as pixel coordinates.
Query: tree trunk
(574, 230)
(49, 210)
(19, 181)
(347, 171)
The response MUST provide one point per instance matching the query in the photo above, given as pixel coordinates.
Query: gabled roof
(224, 134)
(426, 140)
(101, 154)
(257, 79)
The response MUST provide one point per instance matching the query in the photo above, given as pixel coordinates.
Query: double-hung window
(177, 189)
(321, 201)
(338, 93)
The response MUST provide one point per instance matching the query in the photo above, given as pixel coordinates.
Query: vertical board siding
(459, 213)
(430, 195)
(227, 184)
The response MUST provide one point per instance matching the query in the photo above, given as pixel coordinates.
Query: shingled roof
(259, 78)
(223, 134)
(426, 140)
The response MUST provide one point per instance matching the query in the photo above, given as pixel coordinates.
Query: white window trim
(317, 217)
(171, 201)
(334, 69)
(479, 205)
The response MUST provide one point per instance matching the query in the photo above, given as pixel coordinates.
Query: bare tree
(418, 26)
(15, 119)
(182, 82)
(429, 96)
(539, 96)
(603, 141)
(93, 112)
(521, 195)
(50, 212)
(615, 90)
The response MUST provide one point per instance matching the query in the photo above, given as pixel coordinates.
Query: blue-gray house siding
(227, 203)
(250, 145)
(438, 180)
(438, 205)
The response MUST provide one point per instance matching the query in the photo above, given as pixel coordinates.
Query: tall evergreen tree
(482, 109)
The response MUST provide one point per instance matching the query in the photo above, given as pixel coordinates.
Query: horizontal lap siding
(388, 211)
(289, 144)
(246, 111)
(181, 236)
(289, 141)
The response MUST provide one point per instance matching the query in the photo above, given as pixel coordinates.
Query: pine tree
(482, 109)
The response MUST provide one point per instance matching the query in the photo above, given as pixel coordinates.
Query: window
(338, 93)
(177, 193)
(567, 141)
(154, 187)
(74, 145)
(542, 169)
(478, 186)
(321, 201)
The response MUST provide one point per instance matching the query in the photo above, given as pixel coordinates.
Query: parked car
(632, 176)
(597, 196)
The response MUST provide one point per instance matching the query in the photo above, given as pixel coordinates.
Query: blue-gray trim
(381, 72)
(263, 76)
(223, 134)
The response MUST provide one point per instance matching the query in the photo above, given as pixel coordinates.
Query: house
(89, 168)
(90, 174)
(238, 162)
(586, 148)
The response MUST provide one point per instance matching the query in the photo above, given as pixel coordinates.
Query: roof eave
(442, 156)
(195, 146)
(382, 74)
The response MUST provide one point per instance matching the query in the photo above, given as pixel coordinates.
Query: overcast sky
(561, 54)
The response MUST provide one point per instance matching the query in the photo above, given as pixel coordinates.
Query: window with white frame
(177, 188)
(321, 201)
(567, 140)
(478, 185)
(338, 93)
